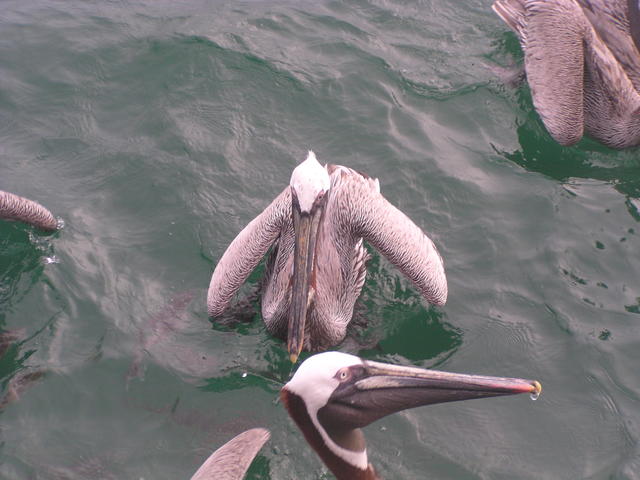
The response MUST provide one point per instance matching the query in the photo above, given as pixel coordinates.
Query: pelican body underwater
(316, 269)
(14, 207)
(582, 62)
(332, 395)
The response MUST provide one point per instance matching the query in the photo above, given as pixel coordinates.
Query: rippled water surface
(156, 130)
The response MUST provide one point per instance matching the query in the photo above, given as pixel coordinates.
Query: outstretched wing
(232, 460)
(13, 207)
(396, 237)
(245, 252)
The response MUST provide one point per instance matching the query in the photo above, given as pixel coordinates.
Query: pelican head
(333, 395)
(310, 184)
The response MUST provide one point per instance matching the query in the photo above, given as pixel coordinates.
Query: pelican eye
(319, 198)
(343, 374)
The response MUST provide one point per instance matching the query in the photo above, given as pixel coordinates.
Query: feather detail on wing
(616, 25)
(245, 252)
(14, 207)
(400, 240)
(512, 12)
(554, 63)
(232, 460)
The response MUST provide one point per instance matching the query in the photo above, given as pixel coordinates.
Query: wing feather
(512, 12)
(554, 63)
(400, 240)
(14, 207)
(232, 460)
(245, 252)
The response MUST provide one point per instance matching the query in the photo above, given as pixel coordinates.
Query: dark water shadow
(588, 159)
(23, 255)
(16, 376)
(260, 469)
(392, 320)
(416, 335)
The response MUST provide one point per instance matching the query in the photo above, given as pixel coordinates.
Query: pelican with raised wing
(333, 395)
(316, 269)
(582, 62)
(14, 207)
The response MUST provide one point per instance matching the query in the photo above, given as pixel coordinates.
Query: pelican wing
(13, 207)
(512, 12)
(232, 460)
(617, 26)
(245, 252)
(400, 240)
(553, 43)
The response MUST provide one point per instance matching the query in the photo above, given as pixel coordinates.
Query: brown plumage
(582, 63)
(352, 211)
(13, 207)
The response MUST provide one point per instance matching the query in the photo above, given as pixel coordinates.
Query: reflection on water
(539, 153)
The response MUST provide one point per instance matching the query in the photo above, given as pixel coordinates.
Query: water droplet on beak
(536, 393)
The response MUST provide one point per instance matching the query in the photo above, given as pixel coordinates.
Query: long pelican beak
(374, 390)
(634, 21)
(305, 225)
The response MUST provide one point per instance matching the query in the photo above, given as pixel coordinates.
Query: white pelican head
(309, 182)
(333, 395)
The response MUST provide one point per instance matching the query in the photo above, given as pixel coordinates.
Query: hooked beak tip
(294, 348)
(537, 388)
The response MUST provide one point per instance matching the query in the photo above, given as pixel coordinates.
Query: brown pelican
(333, 395)
(232, 460)
(317, 267)
(582, 62)
(13, 207)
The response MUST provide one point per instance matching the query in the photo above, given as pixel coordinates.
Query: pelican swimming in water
(232, 460)
(582, 62)
(333, 395)
(316, 270)
(13, 207)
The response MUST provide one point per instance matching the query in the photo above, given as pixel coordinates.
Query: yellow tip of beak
(538, 387)
(293, 357)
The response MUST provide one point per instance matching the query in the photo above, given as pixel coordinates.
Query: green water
(156, 130)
